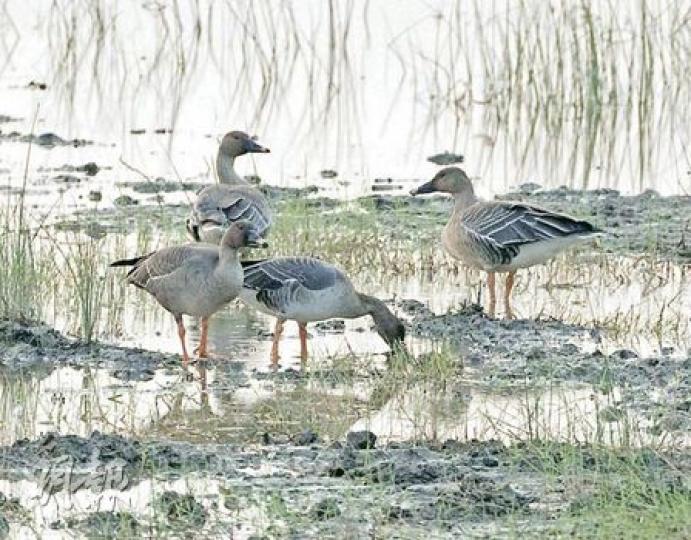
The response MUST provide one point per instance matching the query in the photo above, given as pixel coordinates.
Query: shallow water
(370, 98)
(70, 400)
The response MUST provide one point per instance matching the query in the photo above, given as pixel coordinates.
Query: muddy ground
(344, 488)
(640, 224)
(309, 484)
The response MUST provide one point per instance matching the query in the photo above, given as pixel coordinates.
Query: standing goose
(501, 236)
(232, 198)
(194, 279)
(305, 290)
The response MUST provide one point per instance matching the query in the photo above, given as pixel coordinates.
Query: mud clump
(125, 200)
(101, 461)
(332, 326)
(361, 440)
(329, 488)
(472, 497)
(25, 344)
(47, 140)
(161, 185)
(445, 158)
(305, 438)
(525, 352)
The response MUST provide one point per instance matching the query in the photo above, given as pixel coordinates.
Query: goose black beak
(427, 187)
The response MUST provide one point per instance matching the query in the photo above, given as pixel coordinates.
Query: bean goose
(501, 236)
(305, 290)
(194, 279)
(232, 198)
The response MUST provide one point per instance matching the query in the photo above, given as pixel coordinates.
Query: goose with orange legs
(502, 236)
(194, 279)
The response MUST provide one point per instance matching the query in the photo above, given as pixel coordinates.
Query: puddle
(566, 413)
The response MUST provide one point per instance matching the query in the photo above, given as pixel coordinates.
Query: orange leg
(278, 331)
(201, 350)
(492, 293)
(303, 341)
(507, 295)
(181, 335)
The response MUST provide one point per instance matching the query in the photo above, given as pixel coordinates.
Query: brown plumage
(193, 279)
(501, 236)
(231, 200)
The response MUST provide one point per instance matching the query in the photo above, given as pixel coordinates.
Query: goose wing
(499, 229)
(281, 282)
(222, 205)
(165, 262)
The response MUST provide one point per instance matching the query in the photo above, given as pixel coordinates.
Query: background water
(587, 95)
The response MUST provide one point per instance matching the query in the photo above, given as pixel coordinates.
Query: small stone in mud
(95, 196)
(306, 438)
(624, 354)
(325, 509)
(90, 168)
(386, 188)
(529, 188)
(336, 326)
(414, 307)
(125, 200)
(362, 440)
(328, 173)
(36, 85)
(50, 140)
(67, 179)
(445, 158)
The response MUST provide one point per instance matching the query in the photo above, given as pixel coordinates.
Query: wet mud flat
(307, 484)
(535, 354)
(635, 224)
(440, 483)
(351, 487)
(37, 346)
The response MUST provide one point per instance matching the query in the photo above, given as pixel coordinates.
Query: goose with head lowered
(233, 198)
(304, 289)
(194, 279)
(502, 236)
